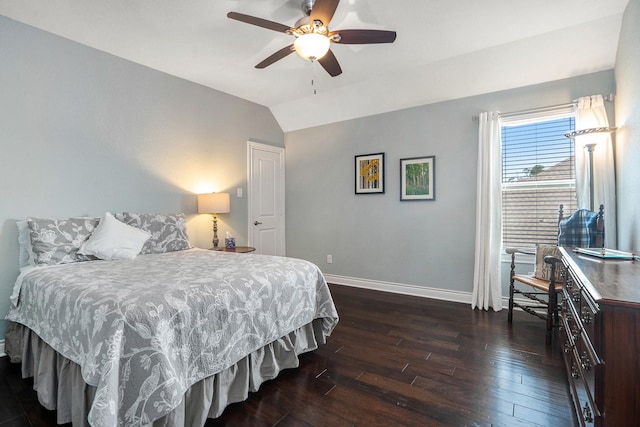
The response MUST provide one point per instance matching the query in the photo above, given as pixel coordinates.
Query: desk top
(609, 281)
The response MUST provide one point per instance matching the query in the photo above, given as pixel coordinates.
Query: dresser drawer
(577, 314)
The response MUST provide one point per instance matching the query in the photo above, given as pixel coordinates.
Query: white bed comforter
(145, 330)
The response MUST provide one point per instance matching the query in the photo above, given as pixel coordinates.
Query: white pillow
(113, 239)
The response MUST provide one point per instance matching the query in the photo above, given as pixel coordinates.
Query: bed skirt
(59, 384)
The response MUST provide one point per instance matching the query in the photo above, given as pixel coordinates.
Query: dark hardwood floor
(393, 360)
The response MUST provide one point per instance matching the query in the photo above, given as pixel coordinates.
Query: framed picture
(418, 178)
(369, 173)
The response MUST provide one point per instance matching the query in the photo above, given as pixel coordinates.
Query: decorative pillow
(25, 252)
(56, 241)
(113, 239)
(168, 232)
(543, 270)
(579, 230)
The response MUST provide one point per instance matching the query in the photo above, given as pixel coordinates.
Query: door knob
(256, 223)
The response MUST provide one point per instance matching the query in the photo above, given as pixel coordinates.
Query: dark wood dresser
(600, 338)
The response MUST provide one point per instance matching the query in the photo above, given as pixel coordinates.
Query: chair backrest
(582, 229)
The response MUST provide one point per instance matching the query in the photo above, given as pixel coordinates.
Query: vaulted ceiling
(444, 49)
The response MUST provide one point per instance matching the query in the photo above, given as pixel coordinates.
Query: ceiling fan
(312, 35)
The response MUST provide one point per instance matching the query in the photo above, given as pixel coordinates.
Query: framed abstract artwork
(369, 173)
(418, 178)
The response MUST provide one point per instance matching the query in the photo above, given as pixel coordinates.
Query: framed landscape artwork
(418, 178)
(369, 173)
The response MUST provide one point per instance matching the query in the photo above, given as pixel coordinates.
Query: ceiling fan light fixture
(312, 46)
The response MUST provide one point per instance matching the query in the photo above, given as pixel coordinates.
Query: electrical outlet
(329, 259)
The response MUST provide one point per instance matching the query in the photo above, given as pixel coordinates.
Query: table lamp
(214, 204)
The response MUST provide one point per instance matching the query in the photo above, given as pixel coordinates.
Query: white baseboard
(413, 290)
(2, 348)
(401, 288)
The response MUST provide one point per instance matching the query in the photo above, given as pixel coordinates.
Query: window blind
(538, 174)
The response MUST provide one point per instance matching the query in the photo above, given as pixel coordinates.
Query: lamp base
(215, 232)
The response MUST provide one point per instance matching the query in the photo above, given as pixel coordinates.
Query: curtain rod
(608, 98)
(538, 110)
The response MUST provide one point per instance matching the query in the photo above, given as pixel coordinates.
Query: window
(538, 174)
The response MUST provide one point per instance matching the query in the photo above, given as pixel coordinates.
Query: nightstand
(237, 249)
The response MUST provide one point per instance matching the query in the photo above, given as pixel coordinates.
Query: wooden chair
(583, 228)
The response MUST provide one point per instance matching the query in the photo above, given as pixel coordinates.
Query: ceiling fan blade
(363, 36)
(323, 10)
(264, 23)
(330, 64)
(276, 56)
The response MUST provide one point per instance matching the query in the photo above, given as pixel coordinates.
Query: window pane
(538, 174)
(531, 216)
(538, 151)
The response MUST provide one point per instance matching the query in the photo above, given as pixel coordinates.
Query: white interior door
(266, 198)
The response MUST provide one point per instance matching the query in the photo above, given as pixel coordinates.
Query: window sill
(520, 259)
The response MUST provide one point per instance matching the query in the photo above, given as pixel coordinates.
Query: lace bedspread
(145, 330)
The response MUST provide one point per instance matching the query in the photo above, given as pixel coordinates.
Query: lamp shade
(214, 203)
(312, 46)
(582, 132)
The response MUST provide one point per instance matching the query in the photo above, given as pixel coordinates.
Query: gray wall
(83, 132)
(378, 237)
(628, 136)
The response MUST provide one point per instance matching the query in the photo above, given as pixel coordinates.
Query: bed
(169, 337)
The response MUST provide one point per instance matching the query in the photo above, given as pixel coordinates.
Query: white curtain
(487, 284)
(591, 113)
